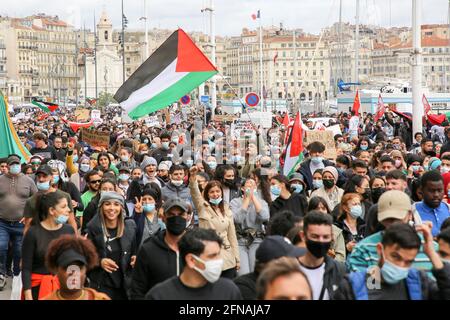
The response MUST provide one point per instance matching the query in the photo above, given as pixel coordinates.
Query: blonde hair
(120, 224)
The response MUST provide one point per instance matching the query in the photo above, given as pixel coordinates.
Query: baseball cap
(175, 202)
(274, 247)
(393, 204)
(68, 258)
(13, 158)
(45, 169)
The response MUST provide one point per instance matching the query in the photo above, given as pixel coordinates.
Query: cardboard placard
(82, 115)
(225, 117)
(96, 139)
(244, 126)
(326, 137)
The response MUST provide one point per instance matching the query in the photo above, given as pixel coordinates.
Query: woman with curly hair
(70, 258)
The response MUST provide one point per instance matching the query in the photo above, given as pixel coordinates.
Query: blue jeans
(10, 231)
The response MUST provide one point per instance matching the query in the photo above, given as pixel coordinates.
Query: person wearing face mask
(284, 199)
(163, 173)
(162, 152)
(323, 272)
(317, 180)
(316, 161)
(44, 183)
(227, 175)
(394, 277)
(159, 256)
(176, 188)
(200, 279)
(146, 214)
(53, 214)
(213, 213)
(350, 221)
(330, 192)
(126, 158)
(361, 185)
(393, 207)
(297, 183)
(114, 237)
(249, 213)
(123, 180)
(15, 189)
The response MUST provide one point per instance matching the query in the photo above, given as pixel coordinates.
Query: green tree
(104, 99)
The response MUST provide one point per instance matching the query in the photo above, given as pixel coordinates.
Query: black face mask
(367, 193)
(176, 225)
(376, 194)
(229, 183)
(318, 249)
(328, 184)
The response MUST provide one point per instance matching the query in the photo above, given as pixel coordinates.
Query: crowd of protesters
(192, 209)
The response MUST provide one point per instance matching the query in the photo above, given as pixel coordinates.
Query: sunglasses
(95, 181)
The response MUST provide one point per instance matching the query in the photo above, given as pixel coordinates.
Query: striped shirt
(364, 255)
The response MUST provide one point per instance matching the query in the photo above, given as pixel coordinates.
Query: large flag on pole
(294, 147)
(176, 68)
(10, 142)
(380, 110)
(356, 104)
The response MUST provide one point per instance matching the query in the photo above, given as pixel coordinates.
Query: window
(106, 35)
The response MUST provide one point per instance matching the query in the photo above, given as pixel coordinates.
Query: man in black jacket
(316, 151)
(393, 278)
(324, 273)
(159, 259)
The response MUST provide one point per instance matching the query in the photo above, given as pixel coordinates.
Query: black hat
(69, 257)
(274, 247)
(45, 169)
(175, 202)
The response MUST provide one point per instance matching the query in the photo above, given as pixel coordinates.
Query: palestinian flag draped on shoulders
(176, 68)
(294, 147)
(45, 106)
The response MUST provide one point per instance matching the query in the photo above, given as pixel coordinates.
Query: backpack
(358, 282)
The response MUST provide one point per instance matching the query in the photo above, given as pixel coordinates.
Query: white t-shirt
(315, 278)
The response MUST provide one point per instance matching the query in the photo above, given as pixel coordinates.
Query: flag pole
(261, 60)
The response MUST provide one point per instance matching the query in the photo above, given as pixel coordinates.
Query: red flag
(426, 105)
(286, 120)
(77, 125)
(381, 109)
(275, 58)
(356, 104)
(294, 147)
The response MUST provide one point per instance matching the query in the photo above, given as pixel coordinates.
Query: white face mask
(213, 269)
(177, 183)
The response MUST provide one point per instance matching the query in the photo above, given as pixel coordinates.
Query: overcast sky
(232, 15)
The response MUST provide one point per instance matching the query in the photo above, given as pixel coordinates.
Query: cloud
(233, 15)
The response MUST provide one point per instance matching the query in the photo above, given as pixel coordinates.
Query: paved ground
(5, 294)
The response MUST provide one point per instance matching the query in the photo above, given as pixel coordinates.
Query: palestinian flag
(11, 143)
(176, 68)
(380, 109)
(294, 147)
(356, 104)
(45, 106)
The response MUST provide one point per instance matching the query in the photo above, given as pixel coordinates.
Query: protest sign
(96, 139)
(259, 118)
(152, 121)
(327, 138)
(244, 126)
(82, 115)
(224, 117)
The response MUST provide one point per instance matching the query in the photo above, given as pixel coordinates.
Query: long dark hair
(103, 154)
(264, 185)
(314, 204)
(46, 201)
(209, 186)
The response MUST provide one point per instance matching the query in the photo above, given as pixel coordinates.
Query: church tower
(104, 31)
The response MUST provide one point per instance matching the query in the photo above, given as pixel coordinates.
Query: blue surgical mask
(215, 202)
(124, 158)
(55, 179)
(340, 170)
(145, 141)
(364, 147)
(165, 145)
(148, 207)
(75, 158)
(62, 219)
(85, 167)
(356, 211)
(236, 158)
(14, 169)
(275, 190)
(154, 146)
(415, 168)
(317, 184)
(212, 165)
(43, 186)
(393, 274)
(297, 187)
(124, 177)
(426, 168)
(189, 163)
(316, 160)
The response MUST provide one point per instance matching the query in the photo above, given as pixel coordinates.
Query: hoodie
(155, 263)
